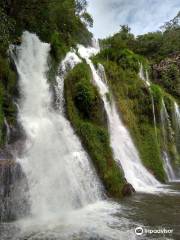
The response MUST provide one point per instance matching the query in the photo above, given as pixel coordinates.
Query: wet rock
(13, 191)
(128, 190)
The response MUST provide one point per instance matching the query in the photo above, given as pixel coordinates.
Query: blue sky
(141, 15)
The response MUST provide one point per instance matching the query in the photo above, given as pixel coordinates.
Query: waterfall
(66, 196)
(145, 78)
(166, 130)
(57, 167)
(8, 131)
(167, 167)
(147, 82)
(177, 124)
(122, 145)
(177, 114)
(166, 124)
(66, 65)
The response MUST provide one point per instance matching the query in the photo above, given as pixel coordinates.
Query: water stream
(166, 130)
(147, 82)
(177, 125)
(123, 147)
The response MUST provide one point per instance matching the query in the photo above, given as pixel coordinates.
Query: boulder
(127, 190)
(13, 191)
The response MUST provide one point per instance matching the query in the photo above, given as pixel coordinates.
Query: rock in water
(13, 191)
(128, 190)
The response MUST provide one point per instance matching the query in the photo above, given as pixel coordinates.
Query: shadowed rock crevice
(13, 191)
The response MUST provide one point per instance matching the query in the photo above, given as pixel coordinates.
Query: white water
(168, 168)
(177, 116)
(143, 77)
(56, 164)
(8, 130)
(166, 129)
(69, 62)
(124, 150)
(177, 132)
(65, 193)
(177, 125)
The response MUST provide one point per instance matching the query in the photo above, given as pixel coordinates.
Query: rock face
(167, 74)
(164, 64)
(128, 190)
(13, 191)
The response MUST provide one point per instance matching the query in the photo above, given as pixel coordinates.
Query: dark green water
(156, 212)
(151, 212)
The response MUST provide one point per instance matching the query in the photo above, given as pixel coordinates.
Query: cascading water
(165, 123)
(177, 114)
(55, 158)
(166, 129)
(8, 130)
(65, 193)
(145, 78)
(177, 124)
(123, 148)
(66, 65)
(167, 167)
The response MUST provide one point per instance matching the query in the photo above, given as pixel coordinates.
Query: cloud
(141, 15)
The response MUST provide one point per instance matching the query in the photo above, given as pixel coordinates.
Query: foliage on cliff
(86, 113)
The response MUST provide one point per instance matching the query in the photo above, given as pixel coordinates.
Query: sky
(142, 16)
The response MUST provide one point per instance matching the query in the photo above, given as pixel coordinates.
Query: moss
(58, 47)
(85, 111)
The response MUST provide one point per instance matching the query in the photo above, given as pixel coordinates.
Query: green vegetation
(86, 113)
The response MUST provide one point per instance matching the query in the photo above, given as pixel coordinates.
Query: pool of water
(154, 213)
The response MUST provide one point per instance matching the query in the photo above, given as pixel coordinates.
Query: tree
(172, 24)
